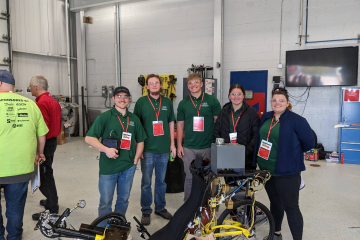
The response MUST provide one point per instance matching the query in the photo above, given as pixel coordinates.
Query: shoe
(36, 216)
(164, 213)
(145, 219)
(43, 202)
(276, 237)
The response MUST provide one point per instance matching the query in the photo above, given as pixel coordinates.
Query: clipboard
(35, 181)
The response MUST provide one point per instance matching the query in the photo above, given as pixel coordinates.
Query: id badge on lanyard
(158, 128)
(265, 146)
(125, 141)
(198, 124)
(233, 137)
(265, 149)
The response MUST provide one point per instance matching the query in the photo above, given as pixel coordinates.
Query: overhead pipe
(115, 43)
(222, 51)
(281, 14)
(301, 20)
(68, 45)
(118, 42)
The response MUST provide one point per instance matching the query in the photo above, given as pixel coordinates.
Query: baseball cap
(121, 90)
(7, 77)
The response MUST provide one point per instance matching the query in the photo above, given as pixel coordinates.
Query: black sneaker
(164, 213)
(145, 219)
(43, 202)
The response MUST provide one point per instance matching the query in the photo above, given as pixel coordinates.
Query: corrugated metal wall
(38, 28)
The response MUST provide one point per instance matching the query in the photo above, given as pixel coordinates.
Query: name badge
(125, 141)
(198, 124)
(158, 128)
(264, 150)
(233, 137)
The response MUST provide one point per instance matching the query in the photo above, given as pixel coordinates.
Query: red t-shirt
(51, 111)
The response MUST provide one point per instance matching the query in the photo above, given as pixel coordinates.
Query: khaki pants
(189, 156)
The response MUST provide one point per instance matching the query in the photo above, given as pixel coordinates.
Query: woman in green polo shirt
(238, 123)
(283, 138)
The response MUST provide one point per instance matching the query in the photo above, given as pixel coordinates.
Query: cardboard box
(61, 138)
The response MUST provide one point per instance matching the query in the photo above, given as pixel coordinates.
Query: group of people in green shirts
(275, 143)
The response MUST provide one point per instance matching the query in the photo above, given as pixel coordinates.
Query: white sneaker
(129, 237)
(302, 184)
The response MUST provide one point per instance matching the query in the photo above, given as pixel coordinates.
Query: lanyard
(127, 125)
(158, 113)
(271, 127)
(198, 111)
(235, 124)
(7, 91)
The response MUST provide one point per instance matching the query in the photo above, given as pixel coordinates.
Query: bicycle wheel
(263, 222)
(108, 216)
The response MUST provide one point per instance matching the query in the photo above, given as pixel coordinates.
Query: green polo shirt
(101, 128)
(146, 113)
(210, 107)
(269, 164)
(236, 115)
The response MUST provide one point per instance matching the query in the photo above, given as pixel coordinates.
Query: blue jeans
(158, 161)
(123, 183)
(15, 197)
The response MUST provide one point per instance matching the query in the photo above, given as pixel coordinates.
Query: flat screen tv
(322, 67)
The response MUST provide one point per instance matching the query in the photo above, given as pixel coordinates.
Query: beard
(155, 93)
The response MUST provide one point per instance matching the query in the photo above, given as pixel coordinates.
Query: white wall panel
(38, 26)
(252, 39)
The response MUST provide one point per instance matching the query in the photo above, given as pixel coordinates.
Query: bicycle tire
(263, 216)
(109, 215)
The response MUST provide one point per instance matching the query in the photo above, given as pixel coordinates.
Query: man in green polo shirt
(157, 116)
(196, 115)
(22, 141)
(118, 129)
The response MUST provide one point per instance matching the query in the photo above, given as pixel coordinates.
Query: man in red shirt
(51, 112)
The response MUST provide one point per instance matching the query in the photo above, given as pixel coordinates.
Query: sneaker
(43, 202)
(276, 237)
(145, 219)
(164, 213)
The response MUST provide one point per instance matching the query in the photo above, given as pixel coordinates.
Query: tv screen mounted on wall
(322, 67)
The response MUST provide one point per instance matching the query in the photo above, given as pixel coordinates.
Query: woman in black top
(238, 123)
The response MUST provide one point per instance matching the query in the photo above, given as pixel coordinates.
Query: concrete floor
(329, 202)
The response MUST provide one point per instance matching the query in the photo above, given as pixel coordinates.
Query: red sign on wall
(351, 95)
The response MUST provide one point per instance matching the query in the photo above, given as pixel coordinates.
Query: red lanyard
(127, 126)
(158, 113)
(7, 91)
(271, 127)
(198, 111)
(235, 124)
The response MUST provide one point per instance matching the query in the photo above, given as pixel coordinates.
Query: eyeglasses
(154, 83)
(236, 94)
(122, 96)
(274, 100)
(193, 82)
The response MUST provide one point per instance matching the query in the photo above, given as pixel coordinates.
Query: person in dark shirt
(283, 138)
(238, 123)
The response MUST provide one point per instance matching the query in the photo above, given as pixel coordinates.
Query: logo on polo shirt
(131, 123)
(164, 108)
(204, 104)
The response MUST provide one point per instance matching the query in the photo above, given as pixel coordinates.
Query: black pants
(283, 192)
(48, 187)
